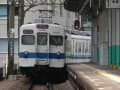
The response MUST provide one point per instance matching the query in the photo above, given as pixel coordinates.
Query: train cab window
(41, 39)
(56, 40)
(28, 39)
(89, 47)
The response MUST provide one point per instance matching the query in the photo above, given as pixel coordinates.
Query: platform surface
(95, 77)
(18, 84)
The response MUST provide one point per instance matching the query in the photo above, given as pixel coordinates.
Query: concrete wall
(94, 43)
(114, 37)
(3, 58)
(108, 44)
(3, 1)
(100, 38)
(3, 27)
(103, 35)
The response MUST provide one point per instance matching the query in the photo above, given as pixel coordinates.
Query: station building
(3, 33)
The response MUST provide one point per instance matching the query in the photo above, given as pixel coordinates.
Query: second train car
(78, 49)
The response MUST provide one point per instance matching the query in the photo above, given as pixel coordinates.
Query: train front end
(41, 51)
(27, 49)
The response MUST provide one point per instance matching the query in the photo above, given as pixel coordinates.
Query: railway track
(48, 86)
(25, 83)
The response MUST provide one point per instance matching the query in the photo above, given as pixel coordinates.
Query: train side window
(28, 39)
(89, 45)
(86, 47)
(79, 50)
(67, 46)
(76, 47)
(41, 39)
(83, 48)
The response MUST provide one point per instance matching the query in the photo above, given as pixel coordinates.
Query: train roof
(70, 36)
(33, 25)
(77, 32)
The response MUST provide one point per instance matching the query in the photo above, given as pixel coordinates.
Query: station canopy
(91, 8)
(73, 5)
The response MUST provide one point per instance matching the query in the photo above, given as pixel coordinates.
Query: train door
(42, 48)
(56, 51)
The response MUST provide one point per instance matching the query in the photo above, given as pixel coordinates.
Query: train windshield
(28, 39)
(56, 40)
(41, 39)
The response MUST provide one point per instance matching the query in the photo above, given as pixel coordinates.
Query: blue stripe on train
(42, 55)
(79, 56)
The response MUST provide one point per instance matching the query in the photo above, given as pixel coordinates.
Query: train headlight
(25, 52)
(58, 53)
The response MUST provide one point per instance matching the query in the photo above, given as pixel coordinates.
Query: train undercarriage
(45, 74)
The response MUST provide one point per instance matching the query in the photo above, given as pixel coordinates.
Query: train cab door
(43, 48)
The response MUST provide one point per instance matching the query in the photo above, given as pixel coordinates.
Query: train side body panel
(80, 51)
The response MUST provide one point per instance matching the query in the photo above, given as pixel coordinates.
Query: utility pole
(20, 19)
(7, 33)
(21, 13)
(11, 38)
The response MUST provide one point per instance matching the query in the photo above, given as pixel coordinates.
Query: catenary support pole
(11, 38)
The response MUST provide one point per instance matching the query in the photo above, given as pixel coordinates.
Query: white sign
(112, 3)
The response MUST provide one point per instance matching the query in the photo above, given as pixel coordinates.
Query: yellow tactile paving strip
(96, 78)
(103, 72)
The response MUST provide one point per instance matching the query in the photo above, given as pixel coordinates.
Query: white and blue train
(41, 50)
(44, 50)
(78, 49)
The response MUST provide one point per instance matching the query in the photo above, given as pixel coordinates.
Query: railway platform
(21, 83)
(94, 77)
